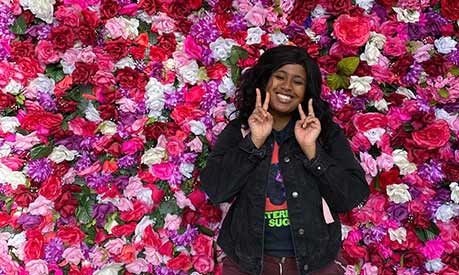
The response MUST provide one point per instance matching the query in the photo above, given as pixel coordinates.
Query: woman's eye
(298, 82)
(279, 77)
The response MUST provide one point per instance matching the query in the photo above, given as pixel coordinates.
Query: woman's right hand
(260, 121)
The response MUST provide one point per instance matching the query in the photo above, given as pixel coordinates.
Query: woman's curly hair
(258, 77)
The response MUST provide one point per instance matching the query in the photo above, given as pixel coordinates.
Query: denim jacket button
(305, 267)
(319, 168)
(286, 159)
(295, 195)
(301, 231)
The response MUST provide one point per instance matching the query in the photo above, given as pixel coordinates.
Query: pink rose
(104, 79)
(163, 170)
(385, 162)
(115, 27)
(73, 255)
(433, 136)
(352, 30)
(6, 72)
(172, 222)
(203, 264)
(132, 146)
(195, 145)
(367, 121)
(79, 126)
(191, 48)
(137, 266)
(256, 15)
(162, 23)
(433, 249)
(114, 246)
(37, 267)
(7, 264)
(41, 206)
(174, 146)
(368, 164)
(46, 53)
(202, 245)
(394, 46)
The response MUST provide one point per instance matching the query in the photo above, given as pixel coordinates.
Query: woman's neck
(280, 122)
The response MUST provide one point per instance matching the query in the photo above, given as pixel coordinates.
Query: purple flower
(212, 96)
(205, 31)
(6, 20)
(162, 270)
(434, 23)
(416, 31)
(156, 70)
(453, 56)
(398, 212)
(83, 162)
(237, 23)
(293, 29)
(47, 102)
(127, 161)
(97, 181)
(100, 212)
(412, 76)
(337, 100)
(185, 238)
(432, 172)
(121, 182)
(29, 221)
(41, 31)
(173, 99)
(39, 170)
(54, 250)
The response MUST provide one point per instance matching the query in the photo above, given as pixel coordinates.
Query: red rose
(367, 121)
(194, 4)
(450, 9)
(178, 9)
(4, 219)
(189, 216)
(107, 111)
(6, 100)
(437, 65)
(353, 31)
(166, 249)
(33, 248)
(20, 49)
(157, 54)
(167, 43)
(203, 245)
(128, 254)
(66, 204)
(140, 209)
(67, 16)
(336, 7)
(402, 64)
(70, 235)
(452, 259)
(23, 197)
(217, 71)
(51, 188)
(151, 238)
(388, 3)
(448, 271)
(83, 72)
(62, 37)
(413, 259)
(29, 67)
(211, 213)
(109, 9)
(34, 121)
(433, 136)
(197, 198)
(301, 10)
(124, 229)
(117, 49)
(153, 131)
(451, 171)
(66, 106)
(127, 77)
(194, 95)
(87, 34)
(181, 262)
(388, 177)
(184, 113)
(107, 95)
(203, 264)
(148, 5)
(90, 17)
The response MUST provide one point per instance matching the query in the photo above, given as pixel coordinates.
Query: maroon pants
(285, 266)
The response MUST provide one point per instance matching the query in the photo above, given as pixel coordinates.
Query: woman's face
(286, 87)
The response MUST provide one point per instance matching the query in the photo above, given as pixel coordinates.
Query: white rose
(398, 234)
(14, 178)
(13, 87)
(377, 40)
(381, 105)
(398, 193)
(371, 54)
(9, 124)
(91, 113)
(278, 38)
(365, 4)
(434, 265)
(42, 9)
(454, 186)
(125, 62)
(227, 87)
(445, 45)
(189, 72)
(140, 228)
(406, 92)
(131, 28)
(254, 35)
(61, 153)
(197, 127)
(154, 97)
(110, 269)
(446, 212)
(186, 169)
(360, 85)
(312, 35)
(407, 16)
(153, 156)
(318, 11)
(107, 127)
(5, 150)
(42, 83)
(401, 160)
(374, 135)
(221, 48)
(144, 195)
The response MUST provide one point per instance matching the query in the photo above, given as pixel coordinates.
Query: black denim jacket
(237, 172)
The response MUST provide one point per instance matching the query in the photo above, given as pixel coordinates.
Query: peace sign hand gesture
(307, 130)
(260, 121)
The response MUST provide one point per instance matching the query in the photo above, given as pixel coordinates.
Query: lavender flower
(156, 70)
(453, 56)
(41, 31)
(432, 172)
(100, 212)
(293, 29)
(337, 100)
(6, 20)
(97, 181)
(29, 221)
(416, 31)
(412, 76)
(185, 238)
(39, 170)
(127, 161)
(162, 270)
(54, 250)
(398, 212)
(212, 96)
(47, 102)
(374, 234)
(173, 99)
(205, 31)
(237, 23)
(434, 23)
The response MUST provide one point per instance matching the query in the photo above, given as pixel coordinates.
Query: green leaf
(443, 93)
(204, 230)
(336, 81)
(19, 26)
(454, 71)
(169, 207)
(55, 72)
(348, 65)
(235, 73)
(421, 234)
(84, 210)
(40, 151)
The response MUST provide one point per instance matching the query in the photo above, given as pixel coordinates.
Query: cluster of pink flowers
(109, 107)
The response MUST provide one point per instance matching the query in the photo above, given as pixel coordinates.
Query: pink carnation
(433, 249)
(352, 30)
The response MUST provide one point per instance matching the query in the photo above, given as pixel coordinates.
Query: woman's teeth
(284, 98)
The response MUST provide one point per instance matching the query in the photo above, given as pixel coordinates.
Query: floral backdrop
(109, 108)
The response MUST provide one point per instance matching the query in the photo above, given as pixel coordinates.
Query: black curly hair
(258, 77)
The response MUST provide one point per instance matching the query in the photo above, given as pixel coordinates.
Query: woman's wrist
(309, 150)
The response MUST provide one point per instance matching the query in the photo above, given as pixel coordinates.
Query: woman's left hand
(307, 130)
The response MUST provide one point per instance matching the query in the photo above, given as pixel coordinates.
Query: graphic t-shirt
(278, 237)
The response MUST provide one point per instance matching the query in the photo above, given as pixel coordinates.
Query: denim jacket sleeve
(342, 180)
(229, 164)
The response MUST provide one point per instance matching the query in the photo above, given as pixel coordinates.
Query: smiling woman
(287, 169)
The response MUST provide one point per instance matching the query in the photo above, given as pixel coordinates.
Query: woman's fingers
(266, 103)
(310, 108)
(258, 98)
(300, 110)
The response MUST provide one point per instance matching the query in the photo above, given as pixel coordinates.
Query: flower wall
(109, 108)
